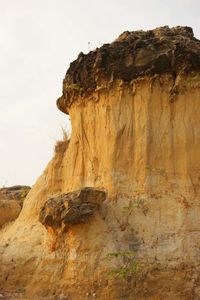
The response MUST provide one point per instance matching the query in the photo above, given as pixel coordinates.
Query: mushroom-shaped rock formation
(134, 109)
(72, 208)
(134, 54)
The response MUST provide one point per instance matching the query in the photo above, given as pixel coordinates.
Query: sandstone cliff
(134, 107)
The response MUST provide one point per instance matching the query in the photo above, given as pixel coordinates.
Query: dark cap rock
(133, 54)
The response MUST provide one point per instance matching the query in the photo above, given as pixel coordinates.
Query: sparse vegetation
(74, 87)
(127, 263)
(24, 192)
(157, 171)
(194, 76)
(138, 203)
(62, 145)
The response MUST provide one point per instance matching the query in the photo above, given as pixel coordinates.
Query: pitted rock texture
(134, 54)
(71, 208)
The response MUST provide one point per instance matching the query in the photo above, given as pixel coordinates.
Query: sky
(38, 40)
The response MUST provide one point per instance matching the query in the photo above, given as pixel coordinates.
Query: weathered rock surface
(136, 136)
(11, 201)
(72, 208)
(134, 54)
(17, 192)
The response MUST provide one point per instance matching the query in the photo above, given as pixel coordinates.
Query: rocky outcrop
(134, 109)
(72, 208)
(11, 202)
(134, 54)
(17, 192)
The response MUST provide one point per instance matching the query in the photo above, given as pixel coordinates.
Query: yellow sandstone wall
(140, 143)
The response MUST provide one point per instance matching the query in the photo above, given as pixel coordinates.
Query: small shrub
(127, 264)
(137, 203)
(24, 192)
(61, 146)
(74, 87)
(194, 76)
(157, 171)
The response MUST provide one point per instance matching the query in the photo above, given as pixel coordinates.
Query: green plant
(21, 290)
(74, 87)
(194, 76)
(23, 193)
(157, 171)
(138, 203)
(127, 263)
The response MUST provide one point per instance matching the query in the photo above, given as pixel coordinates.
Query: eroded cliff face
(134, 108)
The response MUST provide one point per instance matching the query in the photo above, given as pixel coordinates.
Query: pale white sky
(38, 40)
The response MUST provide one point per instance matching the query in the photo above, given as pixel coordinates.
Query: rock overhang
(63, 211)
(132, 55)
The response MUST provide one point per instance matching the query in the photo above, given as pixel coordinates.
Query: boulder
(71, 208)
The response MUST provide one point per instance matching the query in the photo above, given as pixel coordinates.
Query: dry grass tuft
(62, 145)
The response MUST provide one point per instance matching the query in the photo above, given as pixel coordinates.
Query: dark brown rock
(71, 208)
(134, 54)
(16, 192)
